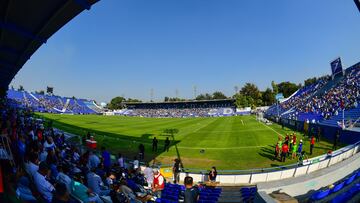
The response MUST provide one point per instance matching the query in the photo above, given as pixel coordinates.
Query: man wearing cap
(158, 183)
(44, 187)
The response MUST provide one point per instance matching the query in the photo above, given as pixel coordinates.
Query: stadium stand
(322, 100)
(208, 108)
(331, 104)
(53, 104)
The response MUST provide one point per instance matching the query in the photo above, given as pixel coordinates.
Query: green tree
(268, 97)
(206, 96)
(117, 103)
(218, 95)
(241, 101)
(288, 88)
(310, 81)
(252, 91)
(132, 100)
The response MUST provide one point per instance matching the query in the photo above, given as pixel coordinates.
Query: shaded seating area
(341, 191)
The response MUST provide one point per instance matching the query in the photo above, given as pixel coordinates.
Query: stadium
(289, 143)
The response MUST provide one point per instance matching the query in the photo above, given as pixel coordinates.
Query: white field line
(271, 129)
(223, 148)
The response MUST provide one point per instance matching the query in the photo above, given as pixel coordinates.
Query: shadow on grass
(126, 144)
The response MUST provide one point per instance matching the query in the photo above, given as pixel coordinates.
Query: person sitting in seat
(23, 191)
(158, 183)
(62, 195)
(31, 167)
(44, 187)
(96, 184)
(62, 176)
(81, 192)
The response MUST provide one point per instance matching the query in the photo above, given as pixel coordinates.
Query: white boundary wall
(308, 167)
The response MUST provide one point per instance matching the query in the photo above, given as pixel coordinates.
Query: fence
(278, 173)
(252, 176)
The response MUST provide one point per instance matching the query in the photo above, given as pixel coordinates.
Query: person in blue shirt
(94, 160)
(299, 150)
(96, 184)
(106, 159)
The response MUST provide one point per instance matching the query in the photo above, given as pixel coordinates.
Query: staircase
(230, 194)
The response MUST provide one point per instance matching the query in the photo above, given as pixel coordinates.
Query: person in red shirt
(285, 150)
(158, 184)
(312, 143)
(294, 138)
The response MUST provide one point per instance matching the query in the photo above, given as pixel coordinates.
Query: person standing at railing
(312, 143)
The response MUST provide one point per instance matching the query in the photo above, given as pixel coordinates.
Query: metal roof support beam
(5, 63)
(84, 4)
(11, 51)
(21, 31)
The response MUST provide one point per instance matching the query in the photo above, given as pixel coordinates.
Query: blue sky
(127, 47)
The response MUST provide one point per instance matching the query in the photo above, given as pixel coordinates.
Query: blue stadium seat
(350, 180)
(338, 187)
(320, 194)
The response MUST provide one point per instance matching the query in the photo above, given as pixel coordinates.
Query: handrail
(307, 162)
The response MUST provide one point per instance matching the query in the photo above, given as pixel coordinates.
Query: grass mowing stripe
(227, 143)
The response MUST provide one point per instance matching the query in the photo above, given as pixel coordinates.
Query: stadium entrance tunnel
(127, 145)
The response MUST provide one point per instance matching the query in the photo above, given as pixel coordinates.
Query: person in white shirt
(31, 166)
(76, 156)
(149, 175)
(44, 187)
(121, 161)
(43, 155)
(136, 163)
(49, 144)
(63, 178)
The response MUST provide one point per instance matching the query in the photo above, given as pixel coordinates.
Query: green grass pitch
(229, 143)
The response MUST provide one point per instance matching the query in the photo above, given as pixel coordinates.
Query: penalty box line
(271, 129)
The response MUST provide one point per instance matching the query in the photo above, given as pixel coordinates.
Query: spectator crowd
(48, 168)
